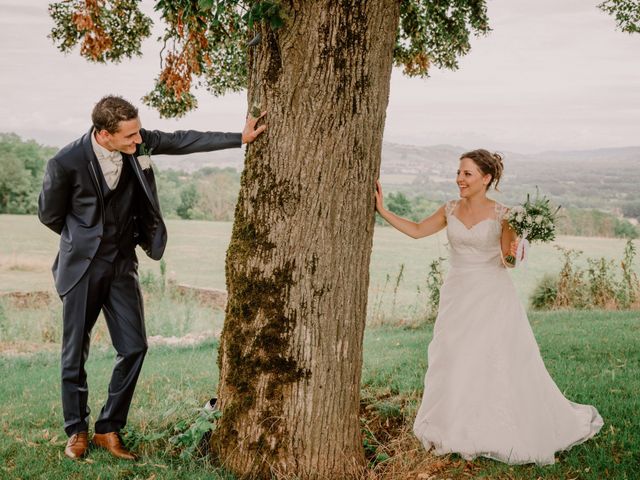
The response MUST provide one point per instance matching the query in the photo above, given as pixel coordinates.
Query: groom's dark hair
(110, 111)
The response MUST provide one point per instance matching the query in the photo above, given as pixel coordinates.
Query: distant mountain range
(604, 178)
(395, 156)
(398, 158)
(230, 158)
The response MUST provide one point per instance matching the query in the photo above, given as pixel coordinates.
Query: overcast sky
(552, 75)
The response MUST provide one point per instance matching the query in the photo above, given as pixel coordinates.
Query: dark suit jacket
(71, 201)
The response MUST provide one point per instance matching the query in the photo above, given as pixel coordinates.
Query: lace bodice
(478, 245)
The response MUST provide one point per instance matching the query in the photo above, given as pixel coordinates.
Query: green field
(196, 252)
(593, 357)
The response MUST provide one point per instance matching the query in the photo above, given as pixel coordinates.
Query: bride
(487, 391)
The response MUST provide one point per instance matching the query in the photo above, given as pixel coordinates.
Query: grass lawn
(593, 356)
(174, 384)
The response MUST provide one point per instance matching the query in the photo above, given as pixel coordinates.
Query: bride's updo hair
(488, 163)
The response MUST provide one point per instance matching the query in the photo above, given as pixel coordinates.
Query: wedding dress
(487, 391)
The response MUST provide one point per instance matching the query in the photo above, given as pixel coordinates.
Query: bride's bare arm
(426, 227)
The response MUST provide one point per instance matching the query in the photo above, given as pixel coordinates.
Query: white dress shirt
(110, 162)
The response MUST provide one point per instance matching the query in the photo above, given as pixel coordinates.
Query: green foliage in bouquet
(534, 220)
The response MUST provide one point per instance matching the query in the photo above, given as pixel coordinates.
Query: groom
(99, 194)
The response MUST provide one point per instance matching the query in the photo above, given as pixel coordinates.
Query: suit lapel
(142, 180)
(93, 167)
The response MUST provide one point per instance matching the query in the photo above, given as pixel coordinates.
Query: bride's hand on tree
(379, 196)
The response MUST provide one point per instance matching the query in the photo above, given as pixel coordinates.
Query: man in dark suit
(99, 194)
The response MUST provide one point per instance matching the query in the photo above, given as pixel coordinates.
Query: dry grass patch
(27, 300)
(21, 349)
(393, 451)
(24, 263)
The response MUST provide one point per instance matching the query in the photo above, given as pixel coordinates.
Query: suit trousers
(112, 287)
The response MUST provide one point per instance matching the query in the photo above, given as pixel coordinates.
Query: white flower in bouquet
(533, 221)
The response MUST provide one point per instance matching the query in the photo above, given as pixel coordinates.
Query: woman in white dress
(487, 391)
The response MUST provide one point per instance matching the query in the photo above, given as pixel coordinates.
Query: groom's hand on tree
(250, 132)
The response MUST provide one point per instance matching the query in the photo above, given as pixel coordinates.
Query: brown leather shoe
(111, 442)
(77, 445)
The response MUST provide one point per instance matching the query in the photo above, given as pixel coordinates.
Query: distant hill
(596, 187)
(605, 178)
(233, 157)
(398, 158)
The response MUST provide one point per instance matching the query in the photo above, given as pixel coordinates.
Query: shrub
(602, 285)
(624, 229)
(399, 204)
(629, 289)
(572, 291)
(435, 279)
(545, 294)
(601, 289)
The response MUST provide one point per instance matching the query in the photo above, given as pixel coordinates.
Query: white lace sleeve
(449, 207)
(501, 212)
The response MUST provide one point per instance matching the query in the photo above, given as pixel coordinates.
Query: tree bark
(298, 262)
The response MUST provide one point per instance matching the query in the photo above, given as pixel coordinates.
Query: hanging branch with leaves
(437, 33)
(205, 41)
(106, 31)
(626, 13)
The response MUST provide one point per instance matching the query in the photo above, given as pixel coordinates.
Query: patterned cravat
(110, 163)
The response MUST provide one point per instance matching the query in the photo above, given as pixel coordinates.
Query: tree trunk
(298, 263)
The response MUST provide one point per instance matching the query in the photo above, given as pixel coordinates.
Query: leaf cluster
(626, 13)
(188, 438)
(106, 31)
(437, 33)
(206, 39)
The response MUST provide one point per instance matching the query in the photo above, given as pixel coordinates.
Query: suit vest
(119, 225)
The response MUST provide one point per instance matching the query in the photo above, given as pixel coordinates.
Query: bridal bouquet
(533, 221)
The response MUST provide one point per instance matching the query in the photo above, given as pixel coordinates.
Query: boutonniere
(144, 158)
